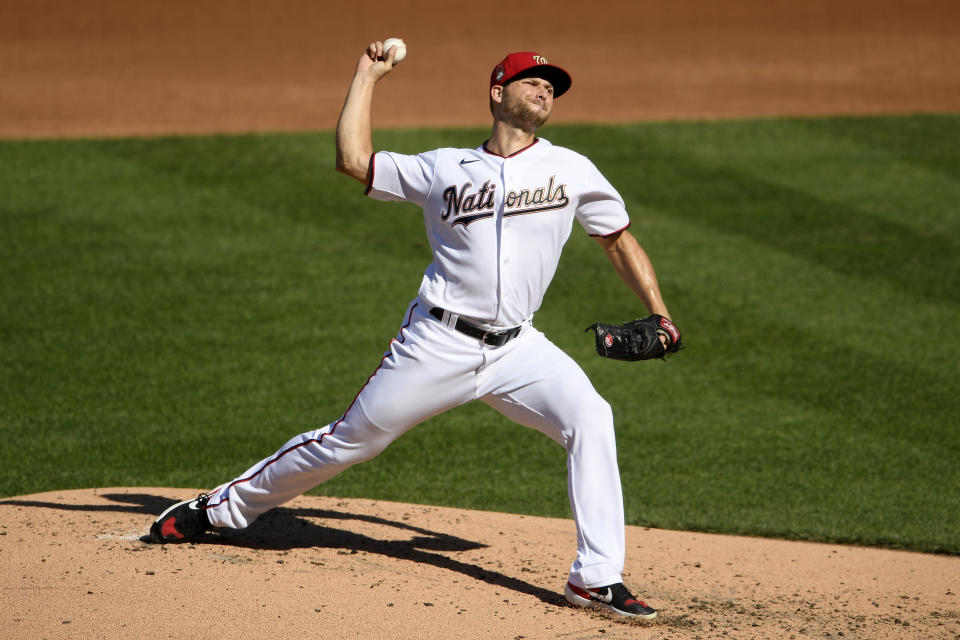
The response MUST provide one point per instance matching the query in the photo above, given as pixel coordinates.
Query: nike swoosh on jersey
(465, 161)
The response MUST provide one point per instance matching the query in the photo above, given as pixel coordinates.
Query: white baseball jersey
(497, 224)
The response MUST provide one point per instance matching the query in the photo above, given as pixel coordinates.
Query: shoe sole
(586, 603)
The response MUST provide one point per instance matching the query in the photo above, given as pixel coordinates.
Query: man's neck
(506, 139)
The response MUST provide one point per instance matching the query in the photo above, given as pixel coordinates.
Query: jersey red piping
(535, 141)
(610, 235)
(332, 430)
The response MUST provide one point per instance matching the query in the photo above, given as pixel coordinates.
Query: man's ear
(496, 93)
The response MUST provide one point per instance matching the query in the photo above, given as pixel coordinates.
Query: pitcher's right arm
(354, 129)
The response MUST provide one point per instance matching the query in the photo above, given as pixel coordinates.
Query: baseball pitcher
(497, 217)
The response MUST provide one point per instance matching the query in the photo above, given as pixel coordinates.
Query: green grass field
(174, 309)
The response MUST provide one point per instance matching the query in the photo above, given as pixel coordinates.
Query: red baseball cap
(525, 64)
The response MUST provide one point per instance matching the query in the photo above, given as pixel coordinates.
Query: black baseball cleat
(182, 522)
(615, 598)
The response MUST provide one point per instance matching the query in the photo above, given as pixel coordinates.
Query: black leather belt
(492, 338)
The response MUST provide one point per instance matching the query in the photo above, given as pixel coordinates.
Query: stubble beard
(522, 114)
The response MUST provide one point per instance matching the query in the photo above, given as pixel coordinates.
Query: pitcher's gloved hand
(637, 339)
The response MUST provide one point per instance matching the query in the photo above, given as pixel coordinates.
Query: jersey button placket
(508, 240)
(502, 223)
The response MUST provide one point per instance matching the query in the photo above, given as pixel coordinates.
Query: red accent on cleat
(169, 529)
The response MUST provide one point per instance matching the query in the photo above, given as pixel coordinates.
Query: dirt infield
(112, 67)
(73, 567)
(71, 562)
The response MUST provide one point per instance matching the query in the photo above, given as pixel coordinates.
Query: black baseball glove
(637, 339)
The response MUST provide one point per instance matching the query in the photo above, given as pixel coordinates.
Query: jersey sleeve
(400, 178)
(600, 211)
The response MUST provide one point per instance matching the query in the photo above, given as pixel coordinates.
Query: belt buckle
(491, 338)
(498, 338)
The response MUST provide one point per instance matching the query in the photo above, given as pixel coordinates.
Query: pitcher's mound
(73, 565)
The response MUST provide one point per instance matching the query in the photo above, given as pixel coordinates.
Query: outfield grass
(174, 309)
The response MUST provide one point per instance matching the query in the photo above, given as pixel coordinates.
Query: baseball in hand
(399, 44)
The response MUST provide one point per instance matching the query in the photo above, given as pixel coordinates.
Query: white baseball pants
(431, 368)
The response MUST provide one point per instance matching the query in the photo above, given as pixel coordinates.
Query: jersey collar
(515, 153)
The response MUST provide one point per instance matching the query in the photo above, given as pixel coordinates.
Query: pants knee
(596, 413)
(592, 421)
(348, 453)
